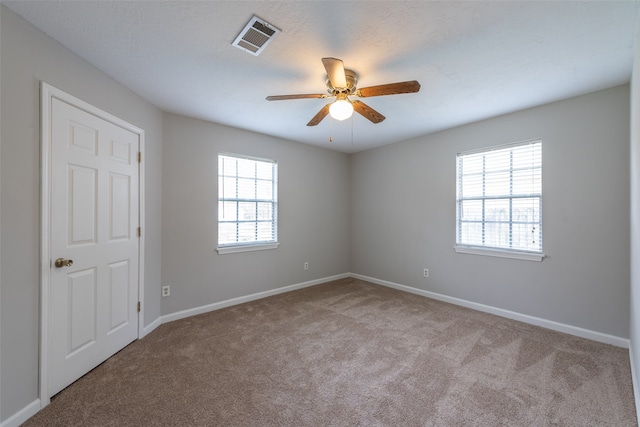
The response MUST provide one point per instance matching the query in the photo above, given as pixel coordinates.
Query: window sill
(502, 253)
(246, 248)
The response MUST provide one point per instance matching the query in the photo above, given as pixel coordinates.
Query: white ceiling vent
(255, 36)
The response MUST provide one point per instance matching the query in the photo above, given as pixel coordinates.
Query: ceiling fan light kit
(341, 109)
(341, 83)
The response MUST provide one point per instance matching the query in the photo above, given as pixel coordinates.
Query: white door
(93, 301)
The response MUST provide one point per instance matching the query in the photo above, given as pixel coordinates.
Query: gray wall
(635, 217)
(28, 56)
(313, 212)
(403, 214)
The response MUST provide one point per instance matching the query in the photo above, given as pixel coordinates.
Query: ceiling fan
(342, 83)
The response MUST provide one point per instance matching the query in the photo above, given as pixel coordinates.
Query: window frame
(497, 251)
(234, 247)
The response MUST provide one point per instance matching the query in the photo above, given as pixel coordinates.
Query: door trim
(47, 94)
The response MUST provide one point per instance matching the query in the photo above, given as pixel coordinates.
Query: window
(247, 203)
(499, 201)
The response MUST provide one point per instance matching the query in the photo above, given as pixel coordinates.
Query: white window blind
(247, 201)
(499, 198)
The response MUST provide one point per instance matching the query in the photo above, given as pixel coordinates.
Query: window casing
(247, 203)
(499, 201)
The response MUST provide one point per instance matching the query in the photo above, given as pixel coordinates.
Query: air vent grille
(255, 36)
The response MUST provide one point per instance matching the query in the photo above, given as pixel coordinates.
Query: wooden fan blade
(335, 71)
(301, 96)
(367, 112)
(389, 89)
(321, 115)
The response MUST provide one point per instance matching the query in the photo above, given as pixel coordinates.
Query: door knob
(61, 262)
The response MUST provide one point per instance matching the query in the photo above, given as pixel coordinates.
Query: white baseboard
(150, 327)
(634, 379)
(549, 324)
(235, 301)
(22, 415)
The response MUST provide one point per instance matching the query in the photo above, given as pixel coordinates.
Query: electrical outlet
(426, 272)
(306, 265)
(166, 291)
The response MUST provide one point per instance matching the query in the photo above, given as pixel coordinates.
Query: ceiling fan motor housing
(352, 80)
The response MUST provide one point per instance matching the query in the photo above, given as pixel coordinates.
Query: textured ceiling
(474, 60)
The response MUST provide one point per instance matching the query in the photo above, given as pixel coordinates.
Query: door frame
(47, 94)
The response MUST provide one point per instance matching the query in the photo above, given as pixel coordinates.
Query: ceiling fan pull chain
(330, 129)
(352, 120)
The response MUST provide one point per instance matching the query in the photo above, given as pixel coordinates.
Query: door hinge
(139, 306)
(139, 231)
(139, 156)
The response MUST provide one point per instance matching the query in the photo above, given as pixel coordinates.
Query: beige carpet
(349, 353)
